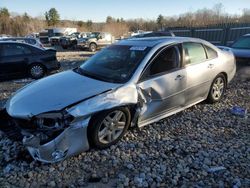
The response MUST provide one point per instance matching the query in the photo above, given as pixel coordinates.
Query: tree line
(20, 25)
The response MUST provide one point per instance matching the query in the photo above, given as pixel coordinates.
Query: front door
(163, 84)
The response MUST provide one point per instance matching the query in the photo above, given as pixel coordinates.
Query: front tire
(108, 127)
(217, 89)
(92, 47)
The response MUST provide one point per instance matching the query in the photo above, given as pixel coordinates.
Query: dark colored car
(69, 41)
(20, 59)
(240, 49)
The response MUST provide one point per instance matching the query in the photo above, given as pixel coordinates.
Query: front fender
(126, 95)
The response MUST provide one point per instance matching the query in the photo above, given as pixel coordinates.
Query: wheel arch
(131, 107)
(225, 75)
(94, 119)
(93, 42)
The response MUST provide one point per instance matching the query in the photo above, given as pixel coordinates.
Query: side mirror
(99, 37)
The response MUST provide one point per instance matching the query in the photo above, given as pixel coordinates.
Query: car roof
(153, 41)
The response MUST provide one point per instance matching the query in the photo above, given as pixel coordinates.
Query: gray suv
(95, 40)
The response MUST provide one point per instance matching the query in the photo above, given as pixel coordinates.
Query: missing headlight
(53, 121)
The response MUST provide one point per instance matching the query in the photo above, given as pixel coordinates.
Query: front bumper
(72, 141)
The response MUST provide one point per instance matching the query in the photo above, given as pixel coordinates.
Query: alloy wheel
(112, 127)
(36, 71)
(218, 88)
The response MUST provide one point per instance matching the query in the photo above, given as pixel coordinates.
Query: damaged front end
(49, 137)
(53, 136)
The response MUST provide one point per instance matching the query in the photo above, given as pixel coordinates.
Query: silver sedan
(134, 82)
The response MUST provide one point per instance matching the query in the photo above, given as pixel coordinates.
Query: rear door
(14, 58)
(163, 84)
(200, 71)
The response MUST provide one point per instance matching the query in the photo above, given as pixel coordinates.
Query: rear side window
(194, 53)
(13, 49)
(211, 54)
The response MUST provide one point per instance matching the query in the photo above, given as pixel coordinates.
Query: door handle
(179, 77)
(210, 66)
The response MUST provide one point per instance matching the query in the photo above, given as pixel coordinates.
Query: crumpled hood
(54, 93)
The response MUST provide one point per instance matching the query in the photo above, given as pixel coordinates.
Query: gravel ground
(203, 146)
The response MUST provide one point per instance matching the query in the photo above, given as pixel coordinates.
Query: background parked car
(240, 49)
(55, 39)
(57, 33)
(154, 34)
(139, 32)
(71, 40)
(28, 40)
(95, 40)
(21, 59)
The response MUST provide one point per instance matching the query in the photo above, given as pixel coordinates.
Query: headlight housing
(53, 120)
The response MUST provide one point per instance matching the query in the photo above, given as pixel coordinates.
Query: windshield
(115, 64)
(243, 43)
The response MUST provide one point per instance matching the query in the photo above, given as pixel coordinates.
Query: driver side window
(167, 60)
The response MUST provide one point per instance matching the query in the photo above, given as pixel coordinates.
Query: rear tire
(37, 71)
(217, 89)
(108, 127)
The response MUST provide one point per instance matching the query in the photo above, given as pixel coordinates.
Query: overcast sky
(98, 10)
